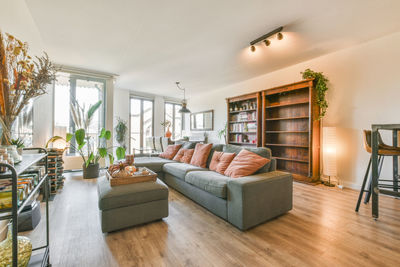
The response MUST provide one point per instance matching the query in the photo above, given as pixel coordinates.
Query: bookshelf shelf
(244, 125)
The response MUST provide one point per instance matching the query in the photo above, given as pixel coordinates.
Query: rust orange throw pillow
(170, 152)
(220, 161)
(245, 163)
(200, 155)
(184, 155)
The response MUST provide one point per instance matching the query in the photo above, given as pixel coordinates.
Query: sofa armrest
(257, 198)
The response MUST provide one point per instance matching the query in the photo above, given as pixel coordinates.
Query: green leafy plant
(222, 132)
(91, 157)
(166, 123)
(121, 129)
(19, 142)
(320, 83)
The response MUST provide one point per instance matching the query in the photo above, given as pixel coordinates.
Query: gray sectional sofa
(244, 202)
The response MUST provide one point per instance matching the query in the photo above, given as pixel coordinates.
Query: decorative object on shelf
(320, 85)
(120, 130)
(21, 80)
(24, 250)
(12, 152)
(265, 39)
(19, 143)
(91, 158)
(167, 125)
(329, 138)
(184, 109)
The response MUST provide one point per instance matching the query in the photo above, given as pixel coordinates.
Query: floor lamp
(329, 153)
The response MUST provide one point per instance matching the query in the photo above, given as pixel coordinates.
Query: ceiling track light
(265, 37)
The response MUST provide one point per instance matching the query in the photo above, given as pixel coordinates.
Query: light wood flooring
(321, 230)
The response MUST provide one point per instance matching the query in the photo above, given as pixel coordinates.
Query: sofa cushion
(184, 155)
(200, 155)
(245, 163)
(261, 151)
(215, 147)
(153, 163)
(220, 161)
(170, 152)
(212, 182)
(180, 170)
(112, 197)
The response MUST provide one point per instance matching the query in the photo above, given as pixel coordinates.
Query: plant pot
(168, 133)
(91, 171)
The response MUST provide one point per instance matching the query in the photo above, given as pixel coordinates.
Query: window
(172, 115)
(85, 91)
(141, 123)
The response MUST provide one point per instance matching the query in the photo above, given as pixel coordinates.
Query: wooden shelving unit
(244, 120)
(285, 119)
(290, 128)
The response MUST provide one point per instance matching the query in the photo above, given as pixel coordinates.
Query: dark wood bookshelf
(290, 128)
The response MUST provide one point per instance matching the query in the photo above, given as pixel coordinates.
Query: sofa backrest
(261, 151)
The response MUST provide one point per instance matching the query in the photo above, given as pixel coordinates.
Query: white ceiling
(203, 44)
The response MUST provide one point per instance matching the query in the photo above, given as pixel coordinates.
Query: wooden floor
(321, 230)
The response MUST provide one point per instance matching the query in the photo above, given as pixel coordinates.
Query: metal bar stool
(383, 150)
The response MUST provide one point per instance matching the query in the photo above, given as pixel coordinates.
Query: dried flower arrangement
(21, 79)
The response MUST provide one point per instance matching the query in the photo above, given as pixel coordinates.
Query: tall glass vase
(6, 124)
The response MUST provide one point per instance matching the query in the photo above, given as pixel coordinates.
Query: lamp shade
(329, 144)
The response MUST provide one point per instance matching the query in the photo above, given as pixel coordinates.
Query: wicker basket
(140, 178)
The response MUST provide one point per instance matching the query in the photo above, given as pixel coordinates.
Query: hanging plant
(320, 83)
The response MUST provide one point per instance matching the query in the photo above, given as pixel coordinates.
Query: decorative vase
(24, 250)
(168, 133)
(91, 171)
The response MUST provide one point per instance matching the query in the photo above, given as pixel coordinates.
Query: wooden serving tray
(140, 178)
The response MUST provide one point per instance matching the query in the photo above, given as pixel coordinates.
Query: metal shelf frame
(13, 173)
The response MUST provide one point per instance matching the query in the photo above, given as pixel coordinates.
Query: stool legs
(368, 194)
(363, 185)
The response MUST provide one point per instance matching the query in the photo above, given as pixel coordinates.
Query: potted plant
(84, 143)
(90, 158)
(222, 133)
(19, 143)
(120, 130)
(167, 124)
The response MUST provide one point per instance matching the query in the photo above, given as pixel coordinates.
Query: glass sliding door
(79, 91)
(141, 124)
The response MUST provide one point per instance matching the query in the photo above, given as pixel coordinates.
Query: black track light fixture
(265, 37)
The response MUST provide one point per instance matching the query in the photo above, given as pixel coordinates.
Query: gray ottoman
(128, 205)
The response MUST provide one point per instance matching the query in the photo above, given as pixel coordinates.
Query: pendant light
(184, 109)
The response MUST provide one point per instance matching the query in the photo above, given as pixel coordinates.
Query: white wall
(364, 89)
